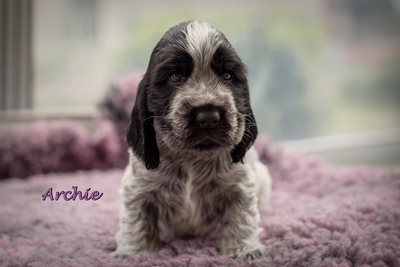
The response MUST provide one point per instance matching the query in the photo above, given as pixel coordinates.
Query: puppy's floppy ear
(249, 136)
(140, 133)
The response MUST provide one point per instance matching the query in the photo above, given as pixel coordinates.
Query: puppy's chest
(198, 203)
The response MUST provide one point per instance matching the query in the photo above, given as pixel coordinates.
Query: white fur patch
(201, 40)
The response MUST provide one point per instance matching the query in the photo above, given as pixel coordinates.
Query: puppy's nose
(208, 119)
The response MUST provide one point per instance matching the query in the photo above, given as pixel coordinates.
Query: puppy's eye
(227, 76)
(174, 77)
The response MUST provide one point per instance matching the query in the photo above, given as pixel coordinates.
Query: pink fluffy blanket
(320, 215)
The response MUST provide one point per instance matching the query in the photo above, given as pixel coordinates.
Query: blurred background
(316, 68)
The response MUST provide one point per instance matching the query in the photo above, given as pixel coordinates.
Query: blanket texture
(320, 215)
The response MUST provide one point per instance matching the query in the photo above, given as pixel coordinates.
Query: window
(316, 68)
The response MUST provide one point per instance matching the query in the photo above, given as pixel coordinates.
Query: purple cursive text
(72, 195)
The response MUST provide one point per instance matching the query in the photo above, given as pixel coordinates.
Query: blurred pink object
(66, 146)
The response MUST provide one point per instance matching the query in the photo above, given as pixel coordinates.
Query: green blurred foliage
(312, 71)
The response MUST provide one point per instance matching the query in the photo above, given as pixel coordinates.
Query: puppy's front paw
(122, 253)
(246, 253)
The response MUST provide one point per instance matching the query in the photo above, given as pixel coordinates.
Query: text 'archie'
(72, 195)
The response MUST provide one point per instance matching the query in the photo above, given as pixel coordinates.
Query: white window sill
(378, 148)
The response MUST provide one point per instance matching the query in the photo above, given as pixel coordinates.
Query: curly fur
(185, 178)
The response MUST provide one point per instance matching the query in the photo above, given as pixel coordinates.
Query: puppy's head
(194, 97)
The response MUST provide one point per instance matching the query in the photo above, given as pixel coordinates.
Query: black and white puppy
(191, 170)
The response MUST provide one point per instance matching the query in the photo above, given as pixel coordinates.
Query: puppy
(191, 170)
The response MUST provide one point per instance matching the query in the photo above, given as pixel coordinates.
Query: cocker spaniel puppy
(190, 129)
